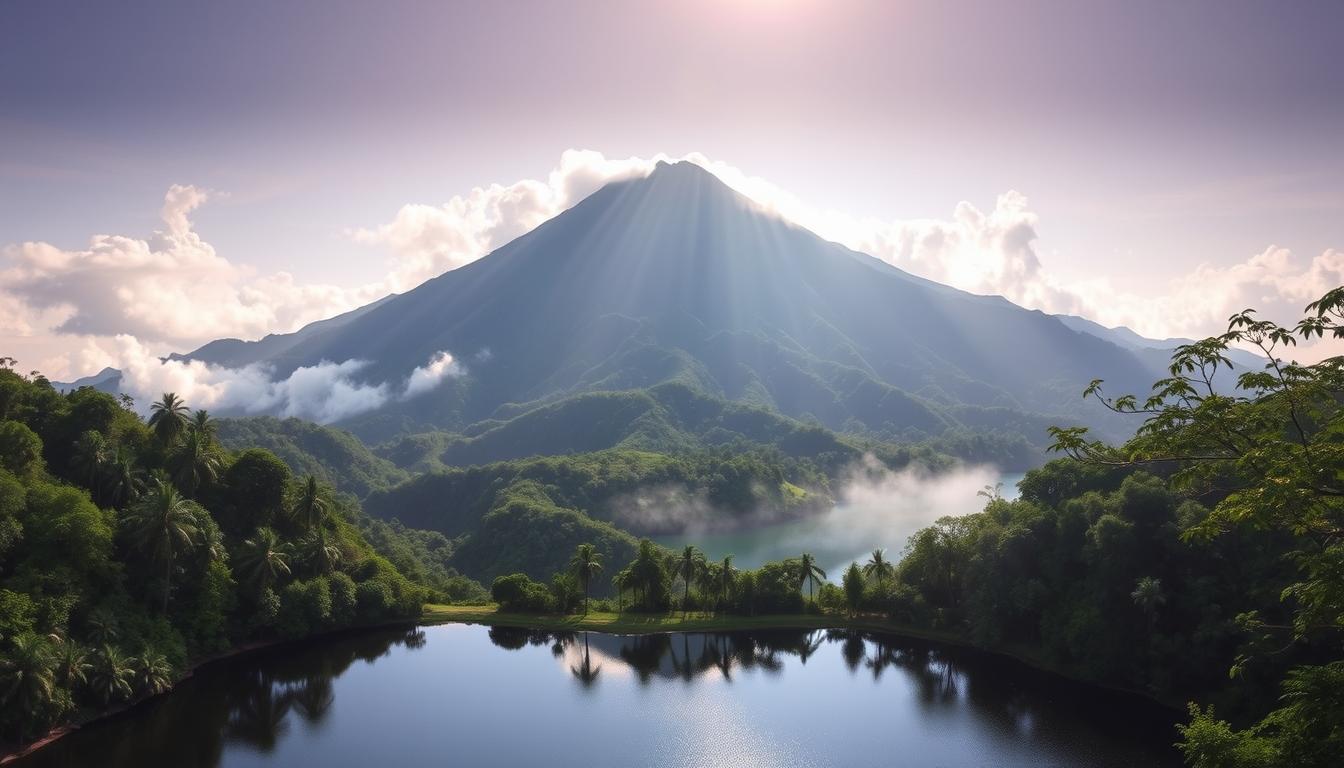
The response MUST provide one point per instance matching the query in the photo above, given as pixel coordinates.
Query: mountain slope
(677, 278)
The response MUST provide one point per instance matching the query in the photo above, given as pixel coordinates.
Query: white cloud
(170, 287)
(427, 377)
(172, 290)
(324, 392)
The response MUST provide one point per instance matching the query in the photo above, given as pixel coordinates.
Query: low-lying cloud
(325, 392)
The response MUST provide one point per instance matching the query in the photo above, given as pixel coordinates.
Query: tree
(89, 458)
(690, 563)
(168, 418)
(151, 672)
(319, 552)
(726, 579)
(585, 564)
(310, 509)
(194, 462)
(110, 675)
(809, 571)
(879, 569)
(122, 482)
(27, 675)
(202, 423)
(71, 664)
(1271, 449)
(163, 526)
(262, 560)
(853, 586)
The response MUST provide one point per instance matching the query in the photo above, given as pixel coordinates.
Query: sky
(175, 172)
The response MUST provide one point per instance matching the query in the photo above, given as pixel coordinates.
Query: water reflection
(720, 698)
(245, 702)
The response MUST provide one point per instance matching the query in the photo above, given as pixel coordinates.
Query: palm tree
(89, 457)
(585, 564)
(1149, 597)
(878, 568)
(194, 462)
(690, 563)
(122, 481)
(310, 509)
(71, 664)
(151, 672)
(101, 626)
(204, 424)
(263, 559)
(110, 675)
(319, 552)
(809, 571)
(622, 581)
(168, 418)
(726, 573)
(163, 525)
(27, 675)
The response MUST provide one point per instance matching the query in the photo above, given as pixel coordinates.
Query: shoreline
(10, 753)
(648, 624)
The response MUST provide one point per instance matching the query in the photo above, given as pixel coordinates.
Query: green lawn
(634, 623)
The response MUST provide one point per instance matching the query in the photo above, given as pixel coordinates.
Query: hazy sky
(1154, 164)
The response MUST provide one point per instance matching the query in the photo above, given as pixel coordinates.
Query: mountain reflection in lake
(470, 695)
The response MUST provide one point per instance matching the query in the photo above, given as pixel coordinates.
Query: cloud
(173, 290)
(325, 392)
(170, 287)
(427, 377)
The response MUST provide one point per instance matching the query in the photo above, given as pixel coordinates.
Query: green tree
(202, 423)
(28, 678)
(879, 569)
(89, 459)
(727, 577)
(110, 675)
(168, 418)
(809, 573)
(194, 462)
(585, 564)
(319, 552)
(151, 673)
(853, 586)
(263, 560)
(309, 509)
(71, 664)
(688, 565)
(122, 481)
(163, 526)
(1272, 450)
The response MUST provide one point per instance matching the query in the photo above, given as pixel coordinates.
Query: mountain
(676, 278)
(107, 380)
(1156, 351)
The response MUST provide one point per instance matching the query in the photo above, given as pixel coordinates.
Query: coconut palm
(688, 565)
(707, 580)
(71, 664)
(168, 418)
(204, 424)
(163, 526)
(310, 508)
(622, 581)
(122, 481)
(150, 672)
(319, 552)
(262, 560)
(726, 574)
(27, 674)
(90, 455)
(194, 461)
(110, 675)
(1148, 595)
(102, 626)
(585, 564)
(878, 568)
(809, 573)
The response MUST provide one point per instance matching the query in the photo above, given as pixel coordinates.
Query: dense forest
(1201, 561)
(129, 550)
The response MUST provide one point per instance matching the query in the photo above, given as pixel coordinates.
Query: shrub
(516, 592)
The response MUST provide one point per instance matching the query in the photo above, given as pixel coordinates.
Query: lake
(477, 696)
(851, 531)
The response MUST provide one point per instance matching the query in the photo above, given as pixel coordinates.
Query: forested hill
(129, 550)
(677, 278)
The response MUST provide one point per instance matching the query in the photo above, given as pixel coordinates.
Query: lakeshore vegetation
(1201, 561)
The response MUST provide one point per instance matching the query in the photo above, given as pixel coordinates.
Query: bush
(343, 599)
(516, 592)
(373, 601)
(305, 607)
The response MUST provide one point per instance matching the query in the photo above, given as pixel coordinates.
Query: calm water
(848, 533)
(475, 696)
